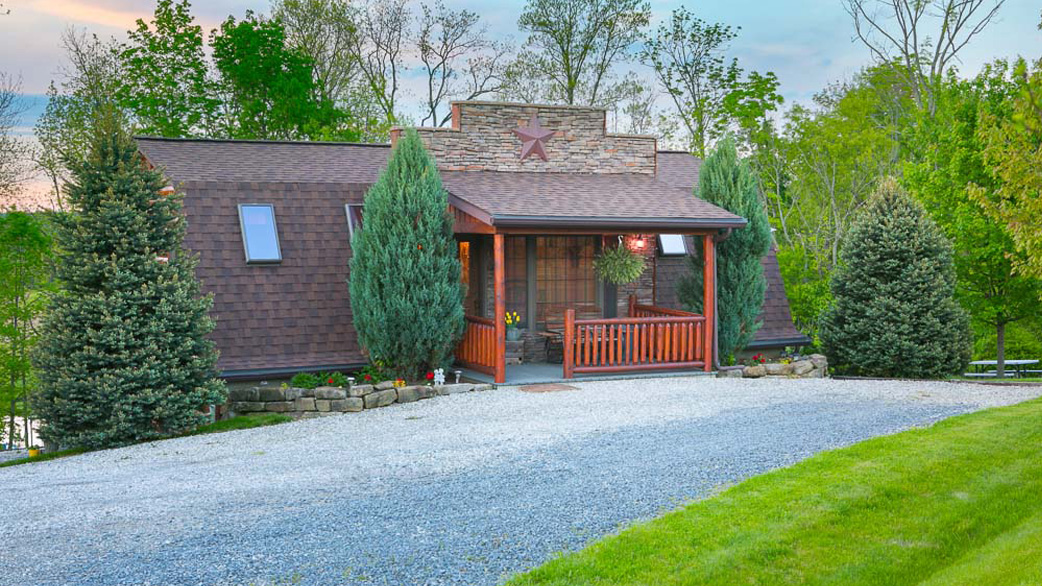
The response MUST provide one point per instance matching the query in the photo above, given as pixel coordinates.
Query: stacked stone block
(321, 401)
(482, 139)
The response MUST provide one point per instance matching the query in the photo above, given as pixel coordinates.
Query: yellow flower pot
(33, 452)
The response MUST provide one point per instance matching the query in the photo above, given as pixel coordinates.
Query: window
(260, 236)
(354, 219)
(516, 269)
(672, 245)
(565, 278)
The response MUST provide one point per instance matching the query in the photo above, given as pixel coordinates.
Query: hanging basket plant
(619, 265)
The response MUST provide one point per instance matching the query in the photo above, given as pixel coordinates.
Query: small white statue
(439, 376)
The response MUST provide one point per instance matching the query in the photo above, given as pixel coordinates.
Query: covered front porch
(572, 324)
(527, 243)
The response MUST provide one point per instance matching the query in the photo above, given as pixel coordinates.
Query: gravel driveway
(463, 489)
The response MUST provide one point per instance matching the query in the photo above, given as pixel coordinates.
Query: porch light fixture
(635, 242)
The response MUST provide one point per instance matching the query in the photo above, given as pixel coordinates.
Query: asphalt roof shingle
(260, 161)
(505, 196)
(583, 198)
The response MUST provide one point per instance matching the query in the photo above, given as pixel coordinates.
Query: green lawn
(241, 422)
(959, 503)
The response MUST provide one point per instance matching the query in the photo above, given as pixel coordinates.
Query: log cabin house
(536, 191)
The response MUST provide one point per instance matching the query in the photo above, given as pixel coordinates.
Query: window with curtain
(565, 278)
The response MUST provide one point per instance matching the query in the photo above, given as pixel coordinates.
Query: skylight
(260, 235)
(671, 245)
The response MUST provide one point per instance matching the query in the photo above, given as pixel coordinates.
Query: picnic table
(1017, 367)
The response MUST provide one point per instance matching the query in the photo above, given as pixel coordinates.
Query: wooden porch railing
(477, 349)
(652, 338)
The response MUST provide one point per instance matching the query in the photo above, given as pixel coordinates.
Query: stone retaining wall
(321, 401)
(813, 366)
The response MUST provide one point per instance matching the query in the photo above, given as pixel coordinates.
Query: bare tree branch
(923, 36)
(454, 45)
(15, 151)
(384, 28)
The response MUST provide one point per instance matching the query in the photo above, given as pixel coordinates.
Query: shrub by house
(406, 294)
(727, 181)
(894, 312)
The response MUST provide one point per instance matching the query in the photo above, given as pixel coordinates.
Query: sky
(807, 43)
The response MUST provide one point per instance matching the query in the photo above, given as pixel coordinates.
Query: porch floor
(543, 372)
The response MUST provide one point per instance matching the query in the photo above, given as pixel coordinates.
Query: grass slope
(957, 503)
(231, 424)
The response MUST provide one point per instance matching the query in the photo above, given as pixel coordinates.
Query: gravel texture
(463, 489)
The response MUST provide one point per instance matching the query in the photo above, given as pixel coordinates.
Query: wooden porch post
(569, 342)
(709, 298)
(499, 271)
(633, 306)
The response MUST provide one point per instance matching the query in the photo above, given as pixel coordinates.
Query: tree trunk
(1000, 344)
(11, 436)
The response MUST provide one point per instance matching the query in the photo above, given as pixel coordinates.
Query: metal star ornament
(533, 138)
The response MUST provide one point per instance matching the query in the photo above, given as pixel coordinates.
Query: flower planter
(513, 334)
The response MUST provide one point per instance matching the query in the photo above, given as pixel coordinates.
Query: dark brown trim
(780, 342)
(262, 373)
(470, 209)
(674, 225)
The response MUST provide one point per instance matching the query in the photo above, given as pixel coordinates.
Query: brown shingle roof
(265, 161)
(679, 169)
(544, 199)
(777, 329)
(508, 198)
(291, 315)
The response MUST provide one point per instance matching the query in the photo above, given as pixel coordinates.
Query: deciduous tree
(269, 88)
(574, 46)
(459, 59)
(89, 80)
(708, 92)
(165, 80)
(385, 30)
(1014, 152)
(25, 284)
(923, 37)
(952, 162)
(15, 152)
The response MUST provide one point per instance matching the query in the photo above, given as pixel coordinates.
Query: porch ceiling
(560, 200)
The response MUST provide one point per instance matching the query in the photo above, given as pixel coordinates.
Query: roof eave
(800, 340)
(526, 221)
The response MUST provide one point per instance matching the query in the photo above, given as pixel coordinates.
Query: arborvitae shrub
(406, 291)
(124, 354)
(727, 181)
(894, 312)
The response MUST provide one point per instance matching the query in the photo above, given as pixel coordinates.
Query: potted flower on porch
(512, 319)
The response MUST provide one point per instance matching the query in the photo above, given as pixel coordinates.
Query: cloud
(119, 15)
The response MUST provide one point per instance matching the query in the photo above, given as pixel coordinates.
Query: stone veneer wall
(482, 139)
(333, 400)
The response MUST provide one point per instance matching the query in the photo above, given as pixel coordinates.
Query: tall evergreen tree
(406, 292)
(727, 181)
(894, 312)
(124, 355)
